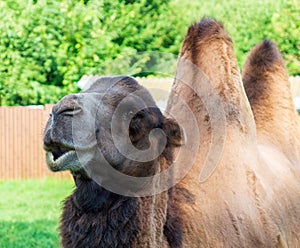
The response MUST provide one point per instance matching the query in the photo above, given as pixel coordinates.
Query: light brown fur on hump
(209, 50)
(203, 45)
(252, 194)
(208, 46)
(268, 89)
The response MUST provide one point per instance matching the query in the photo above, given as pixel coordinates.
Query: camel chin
(67, 161)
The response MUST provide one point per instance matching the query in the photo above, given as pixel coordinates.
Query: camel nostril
(69, 111)
(69, 106)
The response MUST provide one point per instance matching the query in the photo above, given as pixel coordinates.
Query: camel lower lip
(67, 161)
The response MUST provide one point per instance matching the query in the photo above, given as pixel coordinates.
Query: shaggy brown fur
(251, 199)
(95, 217)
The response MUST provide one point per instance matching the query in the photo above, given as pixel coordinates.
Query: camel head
(115, 122)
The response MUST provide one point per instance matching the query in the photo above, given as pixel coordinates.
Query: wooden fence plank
(21, 143)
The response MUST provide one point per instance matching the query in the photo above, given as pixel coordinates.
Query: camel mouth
(58, 151)
(65, 157)
(67, 160)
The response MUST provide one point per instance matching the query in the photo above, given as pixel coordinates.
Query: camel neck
(91, 197)
(93, 216)
(97, 214)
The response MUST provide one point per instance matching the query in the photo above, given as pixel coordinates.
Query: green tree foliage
(287, 34)
(46, 46)
(249, 22)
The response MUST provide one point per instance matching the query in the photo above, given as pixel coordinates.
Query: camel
(242, 186)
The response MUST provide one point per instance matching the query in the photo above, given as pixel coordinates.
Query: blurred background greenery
(46, 46)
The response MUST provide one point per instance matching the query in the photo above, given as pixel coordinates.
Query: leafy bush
(46, 46)
(286, 34)
(249, 22)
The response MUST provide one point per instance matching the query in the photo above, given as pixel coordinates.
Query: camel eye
(128, 115)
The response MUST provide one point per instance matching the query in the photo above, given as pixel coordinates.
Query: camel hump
(267, 86)
(199, 37)
(204, 30)
(209, 80)
(264, 58)
(268, 55)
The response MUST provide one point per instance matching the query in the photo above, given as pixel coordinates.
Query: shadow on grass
(37, 234)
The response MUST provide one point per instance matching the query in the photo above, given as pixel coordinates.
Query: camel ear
(173, 132)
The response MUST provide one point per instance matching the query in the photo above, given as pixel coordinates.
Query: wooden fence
(21, 143)
(21, 136)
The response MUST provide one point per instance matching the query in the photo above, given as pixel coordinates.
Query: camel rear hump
(267, 86)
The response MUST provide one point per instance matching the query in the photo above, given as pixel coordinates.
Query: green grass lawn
(30, 210)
